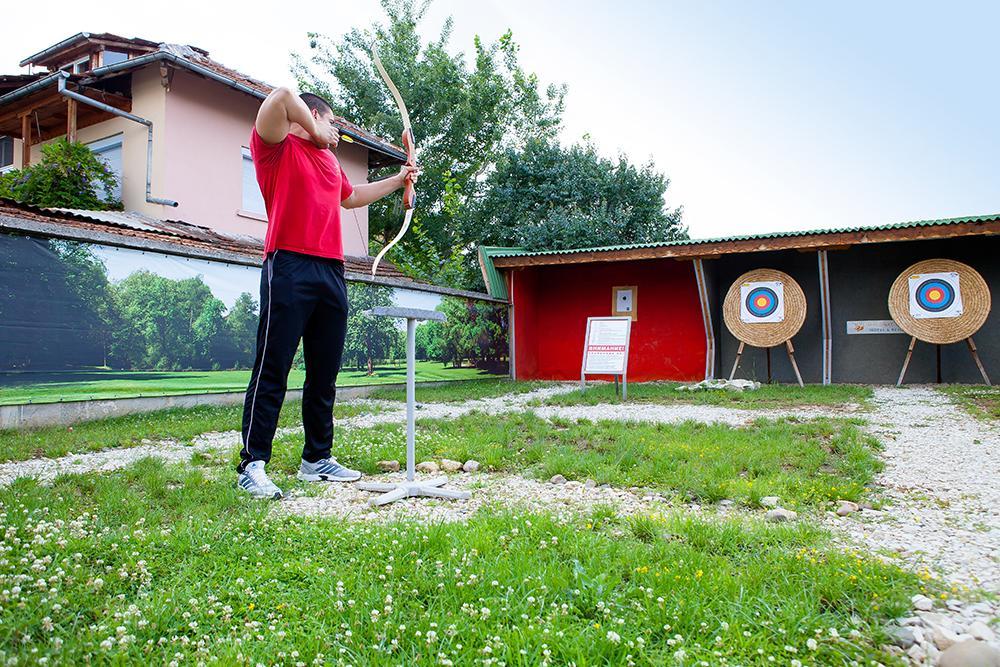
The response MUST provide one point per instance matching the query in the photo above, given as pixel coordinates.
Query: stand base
(392, 492)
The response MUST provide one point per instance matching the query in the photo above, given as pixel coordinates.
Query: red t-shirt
(303, 186)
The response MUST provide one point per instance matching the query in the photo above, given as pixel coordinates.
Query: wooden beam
(25, 140)
(70, 119)
(818, 241)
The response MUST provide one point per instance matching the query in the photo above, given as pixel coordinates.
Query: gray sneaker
(254, 481)
(326, 470)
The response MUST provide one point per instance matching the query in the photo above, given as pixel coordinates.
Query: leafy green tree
(369, 338)
(462, 117)
(69, 175)
(551, 197)
(472, 331)
(242, 324)
(212, 342)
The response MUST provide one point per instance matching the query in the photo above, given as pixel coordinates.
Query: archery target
(764, 307)
(762, 301)
(935, 295)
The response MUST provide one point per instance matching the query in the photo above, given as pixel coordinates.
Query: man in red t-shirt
(303, 296)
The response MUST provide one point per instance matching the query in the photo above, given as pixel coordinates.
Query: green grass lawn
(462, 391)
(158, 563)
(980, 401)
(181, 424)
(31, 387)
(805, 463)
(768, 396)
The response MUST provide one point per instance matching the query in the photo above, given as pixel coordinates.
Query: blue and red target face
(935, 295)
(762, 302)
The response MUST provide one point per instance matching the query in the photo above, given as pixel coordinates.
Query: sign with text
(606, 345)
(855, 327)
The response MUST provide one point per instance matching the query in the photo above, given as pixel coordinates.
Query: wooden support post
(736, 364)
(25, 140)
(795, 366)
(906, 361)
(938, 354)
(768, 353)
(71, 119)
(975, 355)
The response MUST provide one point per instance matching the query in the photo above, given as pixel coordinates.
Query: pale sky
(766, 115)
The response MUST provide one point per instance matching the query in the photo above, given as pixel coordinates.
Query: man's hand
(407, 173)
(324, 134)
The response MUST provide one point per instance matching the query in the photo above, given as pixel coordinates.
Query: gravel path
(942, 483)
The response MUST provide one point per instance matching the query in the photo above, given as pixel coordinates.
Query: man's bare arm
(282, 108)
(366, 193)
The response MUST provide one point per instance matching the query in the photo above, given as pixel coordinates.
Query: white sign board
(762, 301)
(934, 295)
(858, 327)
(606, 345)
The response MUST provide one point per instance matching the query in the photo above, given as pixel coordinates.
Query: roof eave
(986, 226)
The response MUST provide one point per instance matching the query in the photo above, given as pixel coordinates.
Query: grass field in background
(181, 424)
(161, 563)
(767, 396)
(41, 387)
(461, 391)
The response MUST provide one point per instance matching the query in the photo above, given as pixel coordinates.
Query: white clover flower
(812, 644)
(613, 637)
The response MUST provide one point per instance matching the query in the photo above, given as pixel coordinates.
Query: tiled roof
(181, 234)
(134, 230)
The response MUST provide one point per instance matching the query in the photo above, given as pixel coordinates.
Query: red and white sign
(606, 345)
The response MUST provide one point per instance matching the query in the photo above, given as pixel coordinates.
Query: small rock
(922, 602)
(780, 514)
(970, 653)
(847, 507)
(943, 637)
(981, 631)
(557, 479)
(573, 484)
(590, 484)
(471, 466)
(902, 637)
(769, 501)
(910, 620)
(725, 503)
(448, 465)
(388, 466)
(427, 466)
(917, 654)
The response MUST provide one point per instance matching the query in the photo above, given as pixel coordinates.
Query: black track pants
(301, 298)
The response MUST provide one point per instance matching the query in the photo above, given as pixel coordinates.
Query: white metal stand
(411, 487)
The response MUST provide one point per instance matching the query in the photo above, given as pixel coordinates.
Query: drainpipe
(83, 99)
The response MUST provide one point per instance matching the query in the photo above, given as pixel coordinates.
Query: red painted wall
(552, 304)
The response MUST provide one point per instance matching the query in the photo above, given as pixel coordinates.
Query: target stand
(765, 308)
(940, 301)
(392, 492)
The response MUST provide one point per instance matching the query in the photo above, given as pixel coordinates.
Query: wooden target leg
(736, 364)
(795, 366)
(975, 355)
(906, 361)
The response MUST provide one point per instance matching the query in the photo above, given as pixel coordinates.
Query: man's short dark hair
(315, 102)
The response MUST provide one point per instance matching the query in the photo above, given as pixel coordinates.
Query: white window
(111, 57)
(110, 150)
(6, 153)
(253, 200)
(82, 65)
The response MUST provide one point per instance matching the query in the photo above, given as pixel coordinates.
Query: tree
(242, 324)
(69, 175)
(462, 118)
(369, 338)
(471, 331)
(547, 197)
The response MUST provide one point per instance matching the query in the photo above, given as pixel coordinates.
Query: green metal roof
(495, 284)
(497, 288)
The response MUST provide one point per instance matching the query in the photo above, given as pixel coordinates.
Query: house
(173, 123)
(676, 292)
